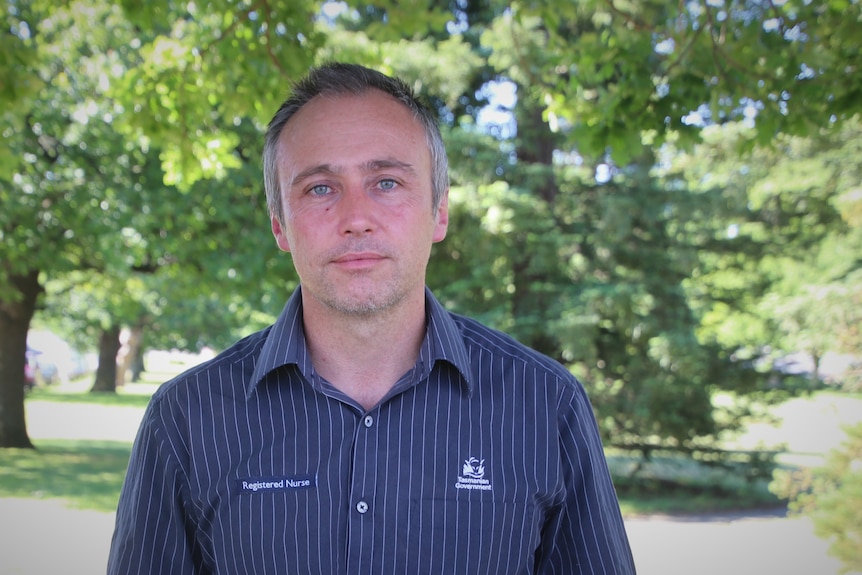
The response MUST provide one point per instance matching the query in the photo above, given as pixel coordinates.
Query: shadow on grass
(89, 474)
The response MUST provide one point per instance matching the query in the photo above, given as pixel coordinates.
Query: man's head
(350, 79)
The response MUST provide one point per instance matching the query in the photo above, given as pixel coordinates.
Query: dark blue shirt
(483, 459)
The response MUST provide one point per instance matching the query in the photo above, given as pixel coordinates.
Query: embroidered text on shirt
(257, 484)
(473, 476)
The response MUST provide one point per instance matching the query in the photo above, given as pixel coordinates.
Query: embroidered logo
(474, 468)
(473, 476)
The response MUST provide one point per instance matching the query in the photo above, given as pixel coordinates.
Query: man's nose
(357, 210)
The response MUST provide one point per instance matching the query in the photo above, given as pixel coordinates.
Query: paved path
(764, 544)
(43, 536)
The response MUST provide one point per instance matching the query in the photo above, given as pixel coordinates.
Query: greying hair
(352, 79)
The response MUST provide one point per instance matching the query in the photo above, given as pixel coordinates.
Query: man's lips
(358, 259)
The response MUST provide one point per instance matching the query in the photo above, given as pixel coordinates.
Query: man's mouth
(358, 259)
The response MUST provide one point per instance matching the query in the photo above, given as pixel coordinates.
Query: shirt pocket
(472, 535)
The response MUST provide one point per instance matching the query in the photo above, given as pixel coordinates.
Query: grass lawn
(87, 474)
(83, 441)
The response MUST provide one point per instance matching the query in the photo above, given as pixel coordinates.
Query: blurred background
(665, 197)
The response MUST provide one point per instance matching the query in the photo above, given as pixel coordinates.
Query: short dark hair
(340, 79)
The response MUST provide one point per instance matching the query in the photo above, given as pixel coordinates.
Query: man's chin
(365, 303)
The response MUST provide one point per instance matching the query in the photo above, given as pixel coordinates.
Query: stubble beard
(363, 294)
(362, 297)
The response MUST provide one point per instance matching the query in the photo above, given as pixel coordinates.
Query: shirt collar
(444, 341)
(285, 343)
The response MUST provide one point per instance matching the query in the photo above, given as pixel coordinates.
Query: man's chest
(416, 485)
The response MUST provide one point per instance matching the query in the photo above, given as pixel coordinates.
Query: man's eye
(387, 184)
(319, 190)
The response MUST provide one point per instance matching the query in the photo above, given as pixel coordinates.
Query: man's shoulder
(229, 370)
(480, 337)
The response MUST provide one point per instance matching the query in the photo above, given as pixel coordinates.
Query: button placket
(368, 465)
(362, 505)
(364, 466)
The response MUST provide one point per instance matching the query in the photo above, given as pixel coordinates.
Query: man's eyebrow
(314, 171)
(369, 167)
(388, 163)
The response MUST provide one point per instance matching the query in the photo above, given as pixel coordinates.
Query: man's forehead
(371, 132)
(339, 110)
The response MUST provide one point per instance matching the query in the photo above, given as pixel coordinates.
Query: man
(368, 430)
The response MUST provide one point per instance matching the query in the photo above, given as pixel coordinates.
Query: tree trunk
(816, 358)
(106, 372)
(138, 366)
(128, 355)
(535, 150)
(15, 315)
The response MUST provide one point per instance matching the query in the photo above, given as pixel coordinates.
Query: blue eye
(387, 184)
(319, 190)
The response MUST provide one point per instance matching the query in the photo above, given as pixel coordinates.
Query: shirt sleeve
(153, 532)
(587, 534)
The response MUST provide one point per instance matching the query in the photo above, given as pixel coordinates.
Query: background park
(663, 196)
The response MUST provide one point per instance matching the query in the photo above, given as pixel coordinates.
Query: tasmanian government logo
(473, 476)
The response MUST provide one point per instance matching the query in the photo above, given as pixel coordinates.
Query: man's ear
(442, 218)
(278, 232)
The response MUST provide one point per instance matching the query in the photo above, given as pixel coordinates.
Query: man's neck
(364, 355)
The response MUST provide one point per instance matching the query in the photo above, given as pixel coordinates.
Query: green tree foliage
(200, 65)
(816, 300)
(66, 198)
(131, 188)
(831, 494)
(621, 69)
(780, 262)
(87, 209)
(587, 270)
(626, 278)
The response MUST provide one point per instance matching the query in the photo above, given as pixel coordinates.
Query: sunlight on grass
(121, 398)
(88, 474)
(82, 440)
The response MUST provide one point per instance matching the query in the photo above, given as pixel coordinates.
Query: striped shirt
(483, 459)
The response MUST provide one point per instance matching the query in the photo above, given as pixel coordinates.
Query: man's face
(355, 177)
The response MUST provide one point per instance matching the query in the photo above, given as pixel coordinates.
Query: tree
(818, 289)
(65, 195)
(574, 265)
(621, 71)
(611, 74)
(72, 196)
(198, 267)
(782, 258)
(600, 85)
(600, 274)
(831, 494)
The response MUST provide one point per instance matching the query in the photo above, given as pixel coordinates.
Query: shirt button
(369, 421)
(362, 507)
